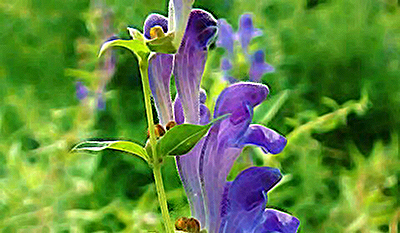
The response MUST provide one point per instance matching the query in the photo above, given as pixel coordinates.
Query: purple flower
(244, 200)
(81, 90)
(216, 205)
(259, 67)
(189, 104)
(225, 140)
(190, 61)
(188, 66)
(160, 69)
(226, 67)
(247, 31)
(245, 34)
(225, 36)
(213, 201)
(154, 20)
(100, 102)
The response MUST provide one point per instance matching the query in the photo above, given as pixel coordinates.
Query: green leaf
(162, 44)
(182, 138)
(137, 46)
(135, 34)
(124, 146)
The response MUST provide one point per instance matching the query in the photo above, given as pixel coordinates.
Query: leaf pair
(177, 141)
(142, 47)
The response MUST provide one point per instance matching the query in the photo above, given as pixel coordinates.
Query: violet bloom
(81, 90)
(218, 206)
(259, 67)
(226, 67)
(247, 31)
(160, 69)
(100, 102)
(225, 36)
(188, 67)
(204, 169)
(244, 200)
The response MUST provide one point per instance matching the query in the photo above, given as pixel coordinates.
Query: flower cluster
(220, 206)
(107, 67)
(245, 33)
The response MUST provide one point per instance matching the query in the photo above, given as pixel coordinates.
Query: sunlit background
(335, 94)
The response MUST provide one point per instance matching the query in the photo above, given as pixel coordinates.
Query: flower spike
(259, 67)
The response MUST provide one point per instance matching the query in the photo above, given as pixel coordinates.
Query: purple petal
(238, 95)
(178, 111)
(190, 61)
(203, 96)
(277, 221)
(247, 190)
(246, 199)
(160, 69)
(225, 36)
(246, 30)
(154, 20)
(81, 91)
(219, 150)
(226, 66)
(205, 115)
(216, 160)
(259, 67)
(188, 165)
(189, 173)
(101, 104)
(266, 138)
(188, 70)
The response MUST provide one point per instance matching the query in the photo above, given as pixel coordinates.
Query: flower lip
(202, 96)
(238, 94)
(250, 186)
(81, 90)
(269, 140)
(226, 36)
(246, 21)
(202, 25)
(259, 56)
(154, 20)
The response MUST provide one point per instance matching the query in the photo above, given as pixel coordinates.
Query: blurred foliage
(335, 95)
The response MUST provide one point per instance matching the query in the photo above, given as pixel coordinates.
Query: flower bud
(170, 125)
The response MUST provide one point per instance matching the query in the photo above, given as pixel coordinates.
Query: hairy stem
(143, 65)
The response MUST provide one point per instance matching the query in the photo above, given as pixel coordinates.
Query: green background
(335, 96)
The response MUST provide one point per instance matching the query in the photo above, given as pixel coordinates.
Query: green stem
(162, 198)
(144, 65)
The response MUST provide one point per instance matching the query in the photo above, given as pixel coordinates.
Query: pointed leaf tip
(137, 46)
(182, 138)
(123, 146)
